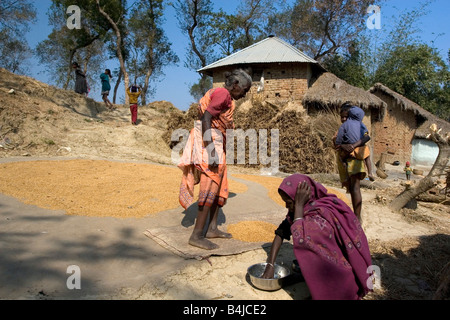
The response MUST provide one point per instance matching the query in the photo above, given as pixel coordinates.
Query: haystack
(305, 143)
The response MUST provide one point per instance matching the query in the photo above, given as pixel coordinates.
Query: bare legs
(355, 193)
(369, 168)
(108, 103)
(197, 238)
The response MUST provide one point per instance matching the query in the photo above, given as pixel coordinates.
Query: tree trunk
(119, 79)
(438, 170)
(145, 88)
(118, 49)
(426, 197)
(70, 70)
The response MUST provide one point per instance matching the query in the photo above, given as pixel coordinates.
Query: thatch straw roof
(426, 118)
(329, 90)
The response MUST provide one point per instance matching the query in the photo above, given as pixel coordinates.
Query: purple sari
(329, 244)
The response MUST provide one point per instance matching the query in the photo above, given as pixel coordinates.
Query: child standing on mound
(133, 93)
(106, 87)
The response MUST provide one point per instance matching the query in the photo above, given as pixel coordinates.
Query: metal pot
(256, 271)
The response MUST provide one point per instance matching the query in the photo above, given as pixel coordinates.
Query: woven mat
(253, 205)
(175, 238)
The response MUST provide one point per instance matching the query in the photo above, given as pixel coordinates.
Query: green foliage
(150, 49)
(64, 45)
(321, 27)
(419, 73)
(198, 89)
(350, 66)
(15, 19)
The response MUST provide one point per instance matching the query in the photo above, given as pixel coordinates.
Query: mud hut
(329, 92)
(280, 72)
(403, 130)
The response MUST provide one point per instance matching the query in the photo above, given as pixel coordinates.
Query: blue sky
(174, 86)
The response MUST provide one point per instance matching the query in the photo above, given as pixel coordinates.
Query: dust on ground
(83, 139)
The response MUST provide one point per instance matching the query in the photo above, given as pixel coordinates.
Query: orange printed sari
(196, 157)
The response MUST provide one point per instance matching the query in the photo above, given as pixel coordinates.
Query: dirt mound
(41, 120)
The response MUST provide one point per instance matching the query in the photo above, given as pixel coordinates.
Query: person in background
(81, 86)
(408, 170)
(351, 168)
(328, 241)
(133, 93)
(106, 87)
(362, 152)
(204, 156)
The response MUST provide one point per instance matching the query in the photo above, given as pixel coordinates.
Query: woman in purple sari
(329, 243)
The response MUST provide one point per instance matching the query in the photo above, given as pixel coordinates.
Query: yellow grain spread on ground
(252, 231)
(96, 187)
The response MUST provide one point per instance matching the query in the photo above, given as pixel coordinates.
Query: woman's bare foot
(201, 242)
(218, 234)
(371, 177)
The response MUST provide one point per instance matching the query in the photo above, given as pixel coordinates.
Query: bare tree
(438, 169)
(251, 20)
(119, 43)
(151, 48)
(321, 27)
(195, 19)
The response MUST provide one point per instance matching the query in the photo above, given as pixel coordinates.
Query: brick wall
(395, 133)
(284, 81)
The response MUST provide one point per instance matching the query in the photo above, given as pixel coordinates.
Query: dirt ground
(80, 185)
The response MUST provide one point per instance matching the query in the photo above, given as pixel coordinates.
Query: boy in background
(133, 93)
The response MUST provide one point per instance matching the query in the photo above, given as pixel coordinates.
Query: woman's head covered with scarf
(339, 215)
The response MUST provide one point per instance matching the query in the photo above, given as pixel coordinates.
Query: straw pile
(305, 143)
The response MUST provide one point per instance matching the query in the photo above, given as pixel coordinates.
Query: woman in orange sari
(204, 155)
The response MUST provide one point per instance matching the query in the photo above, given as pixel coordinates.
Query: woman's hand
(303, 194)
(269, 272)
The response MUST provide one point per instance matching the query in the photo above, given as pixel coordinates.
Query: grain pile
(95, 187)
(252, 231)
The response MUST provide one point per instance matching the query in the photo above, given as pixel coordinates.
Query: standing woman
(204, 155)
(329, 243)
(80, 80)
(106, 87)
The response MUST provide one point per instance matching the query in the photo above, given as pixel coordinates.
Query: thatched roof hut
(424, 118)
(404, 128)
(330, 92)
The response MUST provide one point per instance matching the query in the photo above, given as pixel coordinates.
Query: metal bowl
(256, 271)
